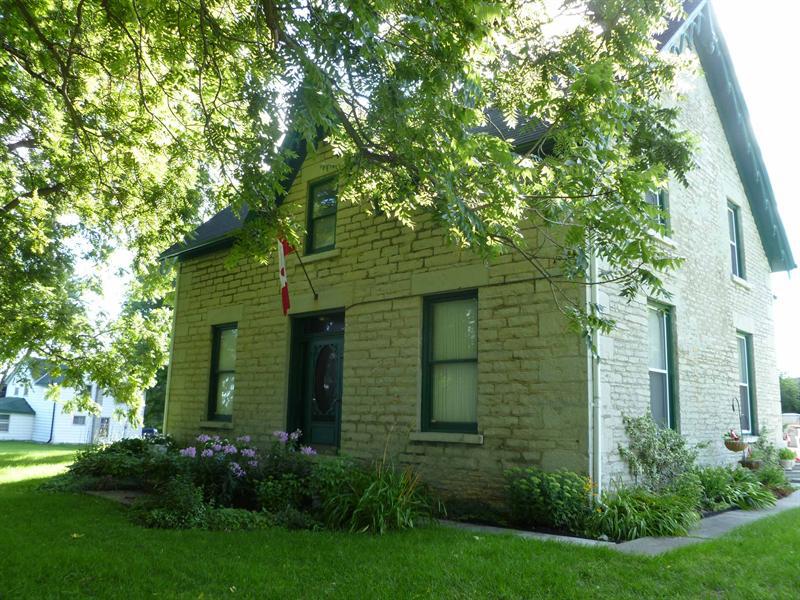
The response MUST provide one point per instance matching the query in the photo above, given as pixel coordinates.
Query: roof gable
(700, 30)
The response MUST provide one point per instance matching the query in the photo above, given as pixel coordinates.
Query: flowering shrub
(287, 471)
(227, 471)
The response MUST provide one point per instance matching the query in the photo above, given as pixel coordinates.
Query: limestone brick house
(463, 369)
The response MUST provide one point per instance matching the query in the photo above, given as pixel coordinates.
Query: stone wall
(710, 306)
(532, 372)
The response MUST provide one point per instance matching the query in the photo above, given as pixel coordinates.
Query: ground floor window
(450, 363)
(223, 372)
(104, 423)
(79, 420)
(5, 420)
(661, 369)
(744, 343)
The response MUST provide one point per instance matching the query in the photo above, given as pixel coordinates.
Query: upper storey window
(735, 237)
(321, 226)
(659, 200)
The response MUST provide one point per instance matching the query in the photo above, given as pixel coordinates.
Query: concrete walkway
(708, 529)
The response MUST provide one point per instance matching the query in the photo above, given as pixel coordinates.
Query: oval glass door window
(326, 386)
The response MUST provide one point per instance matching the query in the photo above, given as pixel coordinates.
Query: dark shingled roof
(699, 29)
(15, 405)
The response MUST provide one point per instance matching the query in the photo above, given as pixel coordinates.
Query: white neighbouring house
(26, 413)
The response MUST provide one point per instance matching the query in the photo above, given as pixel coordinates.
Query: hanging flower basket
(735, 445)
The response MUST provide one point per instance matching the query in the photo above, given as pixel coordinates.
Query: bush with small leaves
(561, 499)
(179, 505)
(656, 456)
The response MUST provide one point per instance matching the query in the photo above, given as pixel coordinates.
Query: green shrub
(236, 519)
(751, 495)
(725, 488)
(287, 490)
(376, 500)
(786, 454)
(656, 456)
(474, 511)
(294, 519)
(561, 499)
(719, 492)
(763, 449)
(179, 505)
(637, 512)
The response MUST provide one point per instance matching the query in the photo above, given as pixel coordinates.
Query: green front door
(316, 395)
(322, 390)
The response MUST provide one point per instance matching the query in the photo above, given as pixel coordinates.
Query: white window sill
(310, 258)
(446, 438)
(216, 425)
(661, 238)
(742, 282)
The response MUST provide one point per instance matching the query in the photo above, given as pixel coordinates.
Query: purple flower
(229, 449)
(191, 452)
(216, 447)
(203, 438)
(252, 463)
(295, 435)
(215, 438)
(282, 436)
(249, 452)
(237, 470)
(244, 438)
(207, 452)
(308, 451)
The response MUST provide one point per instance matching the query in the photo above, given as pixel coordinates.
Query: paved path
(708, 529)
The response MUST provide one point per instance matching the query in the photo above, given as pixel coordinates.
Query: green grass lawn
(77, 546)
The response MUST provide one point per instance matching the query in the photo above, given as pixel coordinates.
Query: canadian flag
(284, 249)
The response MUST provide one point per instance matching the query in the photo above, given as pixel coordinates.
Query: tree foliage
(790, 394)
(123, 122)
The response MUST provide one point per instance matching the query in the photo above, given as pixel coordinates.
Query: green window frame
(747, 398)
(735, 240)
(659, 199)
(321, 215)
(223, 371)
(661, 365)
(450, 363)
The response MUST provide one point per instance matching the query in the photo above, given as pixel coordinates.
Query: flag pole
(311, 285)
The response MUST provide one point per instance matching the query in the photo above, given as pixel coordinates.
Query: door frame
(295, 409)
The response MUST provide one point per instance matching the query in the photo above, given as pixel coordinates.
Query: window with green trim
(747, 402)
(223, 372)
(735, 237)
(661, 365)
(450, 363)
(659, 201)
(321, 226)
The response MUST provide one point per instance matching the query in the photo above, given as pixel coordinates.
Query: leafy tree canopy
(124, 122)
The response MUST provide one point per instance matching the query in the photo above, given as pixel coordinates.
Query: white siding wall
(20, 427)
(51, 416)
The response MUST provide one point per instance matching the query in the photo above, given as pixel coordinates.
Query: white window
(79, 420)
(4, 423)
(735, 237)
(746, 395)
(660, 365)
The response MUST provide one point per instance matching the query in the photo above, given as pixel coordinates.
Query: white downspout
(171, 349)
(595, 404)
